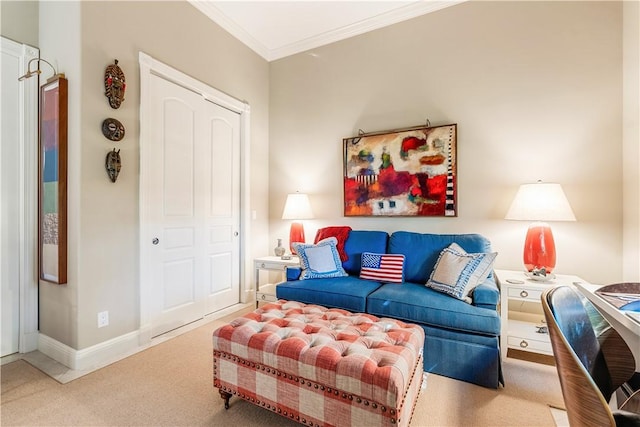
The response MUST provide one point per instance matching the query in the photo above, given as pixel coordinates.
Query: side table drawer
(525, 294)
(265, 265)
(528, 344)
(267, 293)
(265, 297)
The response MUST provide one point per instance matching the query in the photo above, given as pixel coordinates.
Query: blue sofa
(462, 339)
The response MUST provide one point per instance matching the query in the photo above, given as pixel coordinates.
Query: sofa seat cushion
(349, 293)
(413, 302)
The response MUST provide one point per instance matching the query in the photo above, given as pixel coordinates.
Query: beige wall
(104, 243)
(60, 45)
(631, 141)
(536, 91)
(19, 21)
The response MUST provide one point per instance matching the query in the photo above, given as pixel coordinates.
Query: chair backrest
(579, 338)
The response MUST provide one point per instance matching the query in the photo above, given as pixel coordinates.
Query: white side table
(267, 291)
(521, 311)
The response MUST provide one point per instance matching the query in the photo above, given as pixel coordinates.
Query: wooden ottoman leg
(226, 396)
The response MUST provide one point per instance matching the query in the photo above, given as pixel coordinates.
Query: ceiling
(275, 29)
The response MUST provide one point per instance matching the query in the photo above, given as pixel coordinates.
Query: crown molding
(392, 17)
(230, 26)
(383, 20)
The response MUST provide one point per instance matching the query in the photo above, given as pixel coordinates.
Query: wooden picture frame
(52, 178)
(404, 172)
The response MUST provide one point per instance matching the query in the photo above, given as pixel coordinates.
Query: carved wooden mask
(114, 85)
(113, 164)
(112, 129)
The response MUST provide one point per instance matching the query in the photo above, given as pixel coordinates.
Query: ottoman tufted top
(372, 358)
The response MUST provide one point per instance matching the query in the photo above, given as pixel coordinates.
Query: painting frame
(52, 181)
(402, 172)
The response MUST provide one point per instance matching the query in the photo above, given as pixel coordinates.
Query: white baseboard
(59, 352)
(107, 352)
(92, 357)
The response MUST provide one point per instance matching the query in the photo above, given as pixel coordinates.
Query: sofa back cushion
(421, 251)
(360, 241)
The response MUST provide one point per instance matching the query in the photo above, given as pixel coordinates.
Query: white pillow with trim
(457, 273)
(321, 260)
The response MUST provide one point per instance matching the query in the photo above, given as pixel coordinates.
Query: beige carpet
(171, 385)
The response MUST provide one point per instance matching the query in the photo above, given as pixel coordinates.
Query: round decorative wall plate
(112, 129)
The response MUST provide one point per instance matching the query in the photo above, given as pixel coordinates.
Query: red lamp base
(296, 235)
(539, 248)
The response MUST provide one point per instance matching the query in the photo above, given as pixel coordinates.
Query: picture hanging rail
(402, 172)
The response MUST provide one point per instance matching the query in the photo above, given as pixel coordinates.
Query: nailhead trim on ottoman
(321, 366)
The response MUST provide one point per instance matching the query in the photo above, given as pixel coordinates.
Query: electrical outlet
(103, 319)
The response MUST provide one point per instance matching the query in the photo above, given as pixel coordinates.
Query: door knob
(155, 241)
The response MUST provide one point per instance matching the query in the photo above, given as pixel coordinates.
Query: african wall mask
(114, 85)
(113, 164)
(112, 129)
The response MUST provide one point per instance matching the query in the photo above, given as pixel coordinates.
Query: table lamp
(540, 202)
(297, 207)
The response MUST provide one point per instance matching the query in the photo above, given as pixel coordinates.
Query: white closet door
(18, 193)
(193, 211)
(222, 210)
(10, 211)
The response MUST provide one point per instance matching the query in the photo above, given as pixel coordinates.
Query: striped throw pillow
(382, 267)
(457, 273)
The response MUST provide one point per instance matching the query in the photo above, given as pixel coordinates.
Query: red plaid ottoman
(321, 366)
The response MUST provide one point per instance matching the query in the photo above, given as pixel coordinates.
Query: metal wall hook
(30, 73)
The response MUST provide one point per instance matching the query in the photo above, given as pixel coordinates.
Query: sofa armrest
(487, 294)
(292, 273)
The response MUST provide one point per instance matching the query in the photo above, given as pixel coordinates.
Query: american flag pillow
(382, 267)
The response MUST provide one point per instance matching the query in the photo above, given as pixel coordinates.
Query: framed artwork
(406, 172)
(52, 189)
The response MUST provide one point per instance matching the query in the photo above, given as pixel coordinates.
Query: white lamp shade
(297, 207)
(542, 201)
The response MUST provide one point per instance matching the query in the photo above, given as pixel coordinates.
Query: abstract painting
(53, 181)
(407, 172)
